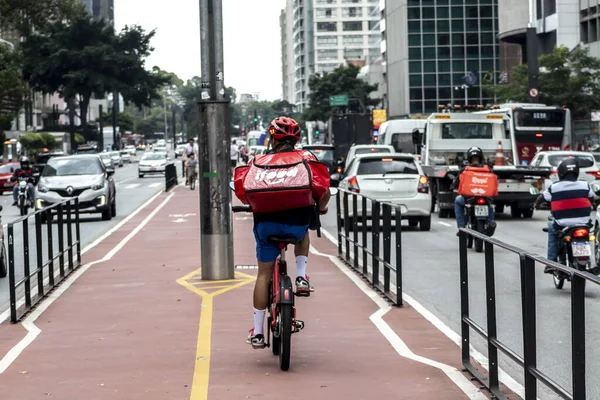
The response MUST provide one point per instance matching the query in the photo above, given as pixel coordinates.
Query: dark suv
(42, 159)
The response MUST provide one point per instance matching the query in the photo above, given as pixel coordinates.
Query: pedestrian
(235, 152)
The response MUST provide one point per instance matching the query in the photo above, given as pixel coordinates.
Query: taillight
(423, 185)
(353, 185)
(580, 233)
(339, 170)
(481, 201)
(554, 172)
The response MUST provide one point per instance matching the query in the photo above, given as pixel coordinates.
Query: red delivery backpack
(478, 182)
(281, 181)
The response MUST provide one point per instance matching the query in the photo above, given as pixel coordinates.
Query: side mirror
(416, 137)
(231, 185)
(110, 171)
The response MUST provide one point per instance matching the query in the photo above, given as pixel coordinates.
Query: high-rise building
(101, 9)
(438, 52)
(287, 54)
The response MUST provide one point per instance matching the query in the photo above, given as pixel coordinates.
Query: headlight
(41, 188)
(98, 186)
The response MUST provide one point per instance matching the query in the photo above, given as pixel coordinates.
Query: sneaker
(302, 287)
(257, 341)
(312, 288)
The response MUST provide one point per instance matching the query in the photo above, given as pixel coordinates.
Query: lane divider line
(445, 223)
(503, 376)
(29, 322)
(392, 337)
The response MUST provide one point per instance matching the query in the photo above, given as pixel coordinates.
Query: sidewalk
(142, 325)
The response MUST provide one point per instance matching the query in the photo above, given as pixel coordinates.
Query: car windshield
(369, 150)
(466, 131)
(8, 168)
(155, 156)
(322, 154)
(115, 154)
(377, 166)
(73, 166)
(105, 156)
(584, 161)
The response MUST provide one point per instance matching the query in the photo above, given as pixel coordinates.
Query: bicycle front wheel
(285, 336)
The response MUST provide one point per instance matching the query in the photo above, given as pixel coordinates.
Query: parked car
(106, 158)
(179, 150)
(116, 158)
(6, 172)
(152, 163)
(131, 150)
(126, 156)
(395, 178)
(83, 176)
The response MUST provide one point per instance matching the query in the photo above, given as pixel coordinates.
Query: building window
(326, 12)
(351, 12)
(327, 55)
(374, 53)
(428, 13)
(327, 40)
(350, 1)
(352, 26)
(350, 40)
(354, 54)
(326, 26)
(414, 13)
(373, 25)
(374, 39)
(326, 1)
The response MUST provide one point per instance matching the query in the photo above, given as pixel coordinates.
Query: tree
(343, 80)
(85, 58)
(567, 78)
(37, 141)
(12, 87)
(124, 121)
(27, 16)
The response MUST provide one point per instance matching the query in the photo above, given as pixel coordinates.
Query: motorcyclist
(570, 201)
(25, 172)
(475, 159)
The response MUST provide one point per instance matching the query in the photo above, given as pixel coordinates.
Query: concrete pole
(532, 54)
(214, 145)
(101, 128)
(115, 119)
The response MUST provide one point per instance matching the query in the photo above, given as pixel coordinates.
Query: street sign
(338, 100)
(533, 92)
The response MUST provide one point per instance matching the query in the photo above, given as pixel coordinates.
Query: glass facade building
(449, 40)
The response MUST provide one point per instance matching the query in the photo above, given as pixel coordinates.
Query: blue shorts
(267, 251)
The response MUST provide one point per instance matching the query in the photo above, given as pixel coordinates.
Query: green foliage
(79, 139)
(37, 141)
(343, 80)
(124, 121)
(567, 78)
(12, 87)
(27, 16)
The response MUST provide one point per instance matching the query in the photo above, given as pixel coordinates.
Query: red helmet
(283, 127)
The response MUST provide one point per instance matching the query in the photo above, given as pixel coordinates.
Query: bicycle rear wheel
(276, 342)
(285, 336)
(193, 182)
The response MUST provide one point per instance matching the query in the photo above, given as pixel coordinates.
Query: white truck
(443, 145)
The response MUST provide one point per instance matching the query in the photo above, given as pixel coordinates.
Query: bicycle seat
(283, 239)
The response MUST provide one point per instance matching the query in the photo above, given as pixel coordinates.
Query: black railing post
(490, 291)
(61, 241)
(70, 235)
(528, 313)
(464, 298)
(39, 252)
(346, 226)
(375, 221)
(50, 247)
(339, 221)
(77, 232)
(398, 237)
(387, 244)
(578, 336)
(363, 229)
(355, 228)
(26, 270)
(11, 274)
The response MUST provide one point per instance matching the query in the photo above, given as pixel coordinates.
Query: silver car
(83, 176)
(106, 159)
(116, 158)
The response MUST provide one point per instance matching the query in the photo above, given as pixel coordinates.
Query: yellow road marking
(203, 346)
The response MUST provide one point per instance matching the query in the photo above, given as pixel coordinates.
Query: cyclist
(284, 134)
(192, 166)
(25, 172)
(190, 148)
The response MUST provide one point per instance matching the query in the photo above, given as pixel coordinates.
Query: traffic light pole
(214, 145)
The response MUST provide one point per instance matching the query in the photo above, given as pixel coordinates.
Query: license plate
(581, 249)
(152, 169)
(482, 211)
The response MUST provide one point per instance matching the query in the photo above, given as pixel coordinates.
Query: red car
(6, 172)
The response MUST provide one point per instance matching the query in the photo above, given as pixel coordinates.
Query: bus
(535, 128)
(256, 138)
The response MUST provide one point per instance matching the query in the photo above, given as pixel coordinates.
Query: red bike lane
(142, 325)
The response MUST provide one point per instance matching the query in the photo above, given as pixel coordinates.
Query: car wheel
(425, 224)
(113, 208)
(106, 214)
(140, 175)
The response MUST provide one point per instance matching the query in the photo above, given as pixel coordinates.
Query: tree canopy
(567, 78)
(343, 80)
(27, 16)
(12, 87)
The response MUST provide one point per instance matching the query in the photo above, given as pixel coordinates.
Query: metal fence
(531, 374)
(170, 176)
(54, 255)
(367, 244)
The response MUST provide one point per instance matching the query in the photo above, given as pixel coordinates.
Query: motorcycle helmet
(24, 162)
(474, 152)
(568, 166)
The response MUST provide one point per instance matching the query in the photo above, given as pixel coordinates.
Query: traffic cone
(500, 160)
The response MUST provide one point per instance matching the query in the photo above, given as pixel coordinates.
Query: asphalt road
(431, 276)
(132, 192)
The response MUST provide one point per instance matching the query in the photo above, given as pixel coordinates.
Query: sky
(251, 40)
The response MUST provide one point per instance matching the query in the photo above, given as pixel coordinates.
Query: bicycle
(281, 320)
(192, 180)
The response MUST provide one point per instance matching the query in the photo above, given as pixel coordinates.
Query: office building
(287, 54)
(101, 9)
(438, 52)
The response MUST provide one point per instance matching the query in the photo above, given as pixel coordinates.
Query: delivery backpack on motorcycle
(478, 186)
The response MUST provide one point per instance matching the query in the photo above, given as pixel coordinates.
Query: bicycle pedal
(299, 326)
(302, 294)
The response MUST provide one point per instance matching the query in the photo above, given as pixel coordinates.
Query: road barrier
(170, 176)
(531, 374)
(367, 250)
(65, 251)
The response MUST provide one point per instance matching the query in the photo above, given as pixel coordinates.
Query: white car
(395, 178)
(131, 150)
(116, 158)
(106, 159)
(126, 156)
(588, 170)
(358, 149)
(152, 163)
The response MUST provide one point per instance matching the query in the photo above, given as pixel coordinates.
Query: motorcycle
(24, 202)
(574, 251)
(477, 211)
